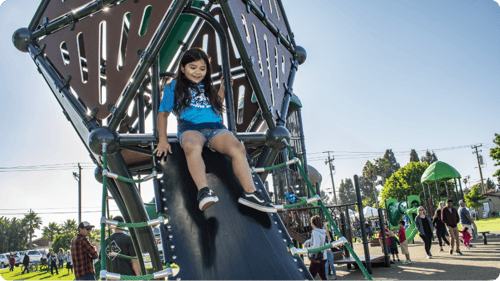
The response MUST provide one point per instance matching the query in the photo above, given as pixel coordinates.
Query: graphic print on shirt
(199, 100)
(114, 249)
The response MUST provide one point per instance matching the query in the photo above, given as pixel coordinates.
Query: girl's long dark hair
(181, 89)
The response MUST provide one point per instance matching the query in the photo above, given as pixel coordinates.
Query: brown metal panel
(272, 10)
(89, 27)
(57, 8)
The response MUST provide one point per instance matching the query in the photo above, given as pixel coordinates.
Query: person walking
(440, 229)
(60, 258)
(12, 261)
(83, 253)
(318, 237)
(329, 254)
(53, 262)
(449, 216)
(466, 237)
(121, 243)
(465, 218)
(69, 262)
(26, 263)
(425, 229)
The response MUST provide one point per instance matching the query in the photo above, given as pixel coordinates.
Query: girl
(60, 258)
(318, 236)
(466, 237)
(425, 229)
(69, 262)
(198, 108)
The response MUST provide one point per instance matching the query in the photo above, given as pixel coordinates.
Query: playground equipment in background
(397, 210)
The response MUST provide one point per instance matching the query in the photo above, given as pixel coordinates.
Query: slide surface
(411, 231)
(228, 240)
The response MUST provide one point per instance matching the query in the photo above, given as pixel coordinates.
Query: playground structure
(106, 62)
(397, 210)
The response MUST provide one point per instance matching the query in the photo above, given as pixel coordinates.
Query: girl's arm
(163, 145)
(220, 93)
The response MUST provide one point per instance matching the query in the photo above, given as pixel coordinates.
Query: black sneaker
(206, 198)
(459, 253)
(257, 201)
(451, 252)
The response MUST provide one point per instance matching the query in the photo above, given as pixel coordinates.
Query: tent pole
(456, 189)
(447, 192)
(437, 190)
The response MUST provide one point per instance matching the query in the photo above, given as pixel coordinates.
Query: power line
(54, 213)
(46, 167)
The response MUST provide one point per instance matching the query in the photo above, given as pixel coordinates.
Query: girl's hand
(163, 147)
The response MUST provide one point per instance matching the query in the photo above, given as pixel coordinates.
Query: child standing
(394, 246)
(192, 98)
(466, 237)
(389, 246)
(403, 242)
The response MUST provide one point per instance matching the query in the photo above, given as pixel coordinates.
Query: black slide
(228, 241)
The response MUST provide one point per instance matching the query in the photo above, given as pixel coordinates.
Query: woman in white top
(318, 237)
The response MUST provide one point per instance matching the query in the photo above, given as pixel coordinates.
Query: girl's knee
(192, 147)
(237, 149)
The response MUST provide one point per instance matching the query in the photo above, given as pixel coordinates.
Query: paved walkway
(480, 263)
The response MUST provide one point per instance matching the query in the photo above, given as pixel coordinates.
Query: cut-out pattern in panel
(268, 59)
(276, 66)
(122, 52)
(65, 53)
(84, 70)
(102, 63)
(145, 21)
(247, 34)
(241, 104)
(259, 56)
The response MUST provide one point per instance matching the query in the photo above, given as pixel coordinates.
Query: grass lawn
(37, 275)
(488, 224)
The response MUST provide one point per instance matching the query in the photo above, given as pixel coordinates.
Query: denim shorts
(207, 134)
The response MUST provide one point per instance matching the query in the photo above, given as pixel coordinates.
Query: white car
(35, 255)
(4, 261)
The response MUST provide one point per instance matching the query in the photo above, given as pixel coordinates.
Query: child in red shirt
(403, 242)
(466, 237)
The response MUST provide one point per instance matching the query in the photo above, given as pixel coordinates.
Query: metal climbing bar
(302, 251)
(287, 163)
(104, 195)
(125, 179)
(114, 254)
(302, 203)
(157, 275)
(114, 224)
(335, 229)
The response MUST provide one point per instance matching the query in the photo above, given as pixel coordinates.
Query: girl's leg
(192, 143)
(227, 144)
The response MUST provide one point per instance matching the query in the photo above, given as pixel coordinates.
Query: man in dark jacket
(449, 215)
(26, 263)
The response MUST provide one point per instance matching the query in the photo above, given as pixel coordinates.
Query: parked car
(35, 255)
(4, 261)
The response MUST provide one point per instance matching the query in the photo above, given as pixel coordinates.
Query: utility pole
(329, 161)
(479, 164)
(78, 177)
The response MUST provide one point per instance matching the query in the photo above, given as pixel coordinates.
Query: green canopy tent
(440, 171)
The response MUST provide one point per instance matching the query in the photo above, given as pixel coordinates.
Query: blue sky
(379, 74)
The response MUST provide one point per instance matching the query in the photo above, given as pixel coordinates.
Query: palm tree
(51, 230)
(68, 226)
(370, 172)
(35, 222)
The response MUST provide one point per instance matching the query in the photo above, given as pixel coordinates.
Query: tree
(62, 241)
(50, 231)
(367, 191)
(474, 196)
(489, 185)
(69, 226)
(405, 182)
(34, 222)
(413, 156)
(370, 172)
(383, 166)
(429, 157)
(347, 193)
(393, 163)
(495, 154)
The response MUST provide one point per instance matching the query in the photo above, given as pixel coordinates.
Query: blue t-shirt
(462, 211)
(199, 114)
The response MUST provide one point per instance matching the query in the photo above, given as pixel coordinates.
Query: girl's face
(195, 71)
